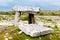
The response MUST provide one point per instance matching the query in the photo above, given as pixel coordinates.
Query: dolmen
(30, 27)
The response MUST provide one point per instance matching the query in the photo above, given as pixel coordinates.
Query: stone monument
(30, 27)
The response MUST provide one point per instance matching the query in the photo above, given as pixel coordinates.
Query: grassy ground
(15, 36)
(10, 32)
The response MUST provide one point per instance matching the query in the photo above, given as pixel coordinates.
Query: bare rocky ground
(55, 36)
(56, 19)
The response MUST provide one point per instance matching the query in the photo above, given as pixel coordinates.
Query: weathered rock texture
(34, 30)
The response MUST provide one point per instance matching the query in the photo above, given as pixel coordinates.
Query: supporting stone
(17, 17)
(31, 18)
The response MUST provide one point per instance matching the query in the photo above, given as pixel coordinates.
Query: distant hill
(42, 12)
(7, 13)
(50, 12)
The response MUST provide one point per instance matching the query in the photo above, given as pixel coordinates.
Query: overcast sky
(43, 4)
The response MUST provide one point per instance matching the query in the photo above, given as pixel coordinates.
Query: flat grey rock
(34, 30)
(6, 23)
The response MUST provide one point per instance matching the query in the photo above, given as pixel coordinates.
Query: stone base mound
(34, 30)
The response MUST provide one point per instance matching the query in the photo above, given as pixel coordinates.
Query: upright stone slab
(31, 19)
(17, 17)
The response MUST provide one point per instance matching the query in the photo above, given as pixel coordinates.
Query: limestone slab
(34, 30)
